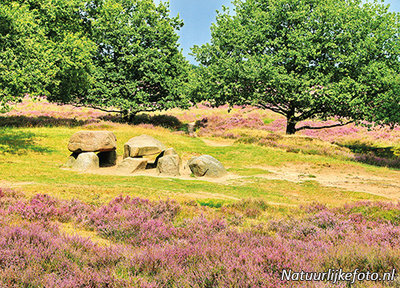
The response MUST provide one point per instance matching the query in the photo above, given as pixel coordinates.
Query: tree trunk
(291, 120)
(291, 126)
(128, 116)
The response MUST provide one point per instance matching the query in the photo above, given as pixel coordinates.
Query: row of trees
(103, 53)
(299, 58)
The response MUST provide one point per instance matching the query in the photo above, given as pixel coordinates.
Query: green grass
(31, 159)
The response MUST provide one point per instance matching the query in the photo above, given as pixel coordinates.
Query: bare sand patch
(349, 178)
(8, 184)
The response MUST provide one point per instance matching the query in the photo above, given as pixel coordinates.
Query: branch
(307, 115)
(98, 108)
(275, 109)
(113, 111)
(323, 127)
(147, 110)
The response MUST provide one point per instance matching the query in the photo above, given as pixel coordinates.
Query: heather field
(314, 201)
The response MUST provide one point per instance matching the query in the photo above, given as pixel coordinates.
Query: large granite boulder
(169, 165)
(206, 165)
(86, 161)
(170, 151)
(92, 141)
(71, 160)
(131, 165)
(142, 145)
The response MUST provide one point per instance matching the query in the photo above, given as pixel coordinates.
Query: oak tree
(305, 59)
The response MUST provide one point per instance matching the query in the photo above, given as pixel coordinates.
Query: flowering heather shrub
(377, 211)
(40, 113)
(217, 126)
(46, 208)
(40, 107)
(227, 259)
(136, 221)
(378, 161)
(157, 250)
(40, 207)
(37, 255)
(249, 207)
(40, 121)
(9, 197)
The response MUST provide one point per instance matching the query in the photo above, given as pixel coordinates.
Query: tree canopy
(122, 54)
(305, 59)
(42, 49)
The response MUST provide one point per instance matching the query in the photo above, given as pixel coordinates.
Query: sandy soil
(354, 179)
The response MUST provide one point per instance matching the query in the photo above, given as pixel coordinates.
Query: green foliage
(122, 54)
(138, 64)
(210, 203)
(43, 50)
(304, 59)
(396, 151)
(17, 50)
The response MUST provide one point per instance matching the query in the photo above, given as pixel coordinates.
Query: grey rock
(92, 141)
(131, 165)
(107, 159)
(71, 160)
(142, 145)
(86, 161)
(169, 165)
(191, 127)
(206, 165)
(170, 151)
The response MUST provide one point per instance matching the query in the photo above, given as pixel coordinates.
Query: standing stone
(170, 151)
(92, 141)
(71, 160)
(169, 165)
(86, 161)
(142, 145)
(131, 165)
(206, 165)
(108, 159)
(191, 129)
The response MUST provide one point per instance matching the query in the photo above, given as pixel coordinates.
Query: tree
(306, 59)
(138, 66)
(113, 55)
(16, 51)
(43, 50)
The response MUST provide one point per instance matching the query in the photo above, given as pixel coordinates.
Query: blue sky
(199, 14)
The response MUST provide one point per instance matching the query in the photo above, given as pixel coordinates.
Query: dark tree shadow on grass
(19, 142)
(40, 121)
(165, 121)
(377, 156)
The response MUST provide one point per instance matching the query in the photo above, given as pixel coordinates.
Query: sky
(198, 15)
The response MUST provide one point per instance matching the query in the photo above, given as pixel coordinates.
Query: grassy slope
(37, 154)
